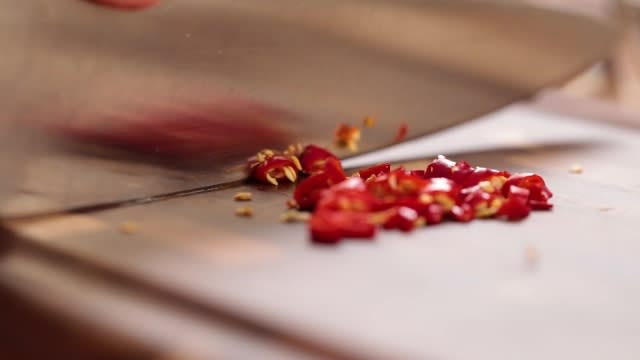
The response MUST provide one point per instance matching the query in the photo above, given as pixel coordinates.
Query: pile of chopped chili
(356, 206)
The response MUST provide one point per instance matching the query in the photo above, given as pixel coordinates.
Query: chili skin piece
(313, 159)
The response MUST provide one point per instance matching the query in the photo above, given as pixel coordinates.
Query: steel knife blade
(103, 106)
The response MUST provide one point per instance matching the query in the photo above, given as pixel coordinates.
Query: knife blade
(102, 106)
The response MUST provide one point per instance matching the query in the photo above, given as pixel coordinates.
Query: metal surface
(560, 284)
(99, 105)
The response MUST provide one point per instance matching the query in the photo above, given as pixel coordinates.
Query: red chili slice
(462, 213)
(443, 191)
(402, 133)
(273, 168)
(308, 190)
(346, 200)
(439, 167)
(479, 174)
(313, 159)
(539, 193)
(460, 171)
(375, 170)
(418, 173)
(397, 184)
(401, 218)
(434, 214)
(331, 226)
(516, 207)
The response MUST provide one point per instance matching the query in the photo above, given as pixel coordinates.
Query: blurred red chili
(401, 218)
(439, 167)
(479, 174)
(330, 227)
(403, 130)
(375, 170)
(308, 191)
(270, 168)
(516, 207)
(313, 159)
(539, 193)
(462, 213)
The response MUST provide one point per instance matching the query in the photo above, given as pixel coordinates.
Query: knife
(103, 107)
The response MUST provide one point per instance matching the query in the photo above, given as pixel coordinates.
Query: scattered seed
(531, 256)
(294, 150)
(268, 153)
(271, 179)
(576, 169)
(242, 196)
(369, 122)
(296, 162)
(290, 173)
(244, 211)
(128, 227)
(295, 216)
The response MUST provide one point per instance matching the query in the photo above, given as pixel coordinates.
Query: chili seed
(128, 227)
(242, 196)
(576, 169)
(244, 211)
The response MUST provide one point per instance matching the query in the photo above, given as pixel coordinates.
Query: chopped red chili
(330, 227)
(462, 213)
(375, 170)
(405, 199)
(313, 159)
(539, 194)
(515, 207)
(403, 130)
(402, 218)
(269, 167)
(308, 191)
(348, 136)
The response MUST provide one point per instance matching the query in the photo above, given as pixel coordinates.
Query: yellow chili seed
(242, 196)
